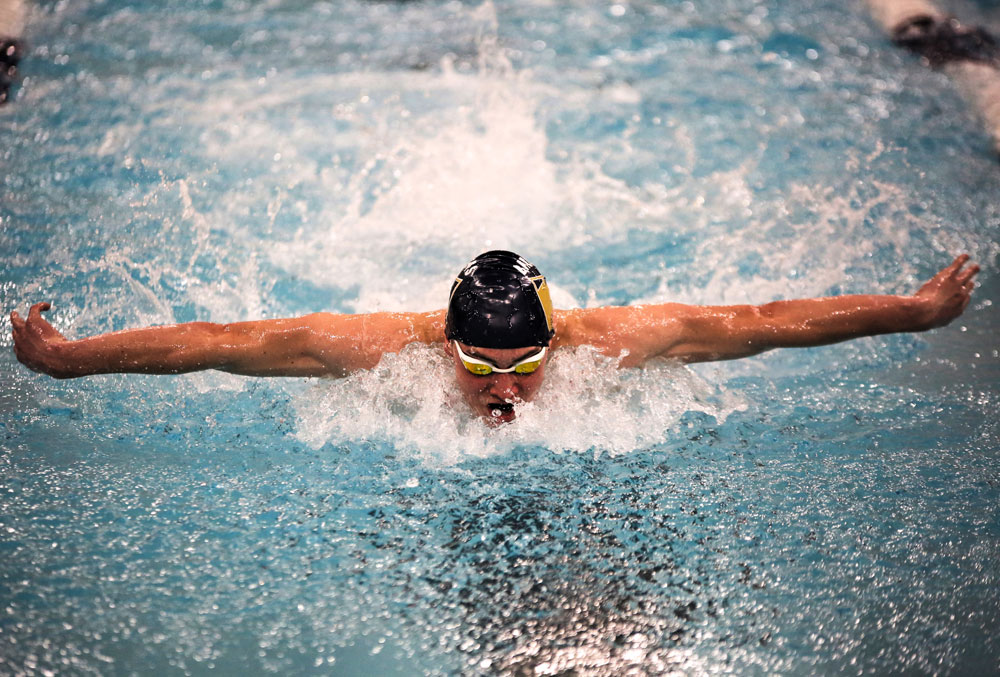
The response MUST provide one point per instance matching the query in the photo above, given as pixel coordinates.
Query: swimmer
(499, 331)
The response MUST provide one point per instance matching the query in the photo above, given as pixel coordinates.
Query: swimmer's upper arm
(635, 334)
(321, 344)
(707, 333)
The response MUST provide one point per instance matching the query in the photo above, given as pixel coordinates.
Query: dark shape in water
(944, 40)
(11, 51)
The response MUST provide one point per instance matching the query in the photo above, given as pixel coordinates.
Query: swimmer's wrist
(921, 312)
(59, 360)
(75, 359)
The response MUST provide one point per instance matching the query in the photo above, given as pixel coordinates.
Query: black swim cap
(499, 300)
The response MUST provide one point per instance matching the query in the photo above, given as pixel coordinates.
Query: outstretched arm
(703, 333)
(322, 344)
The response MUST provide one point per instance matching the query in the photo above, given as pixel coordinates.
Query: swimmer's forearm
(314, 345)
(731, 332)
(252, 348)
(153, 350)
(822, 321)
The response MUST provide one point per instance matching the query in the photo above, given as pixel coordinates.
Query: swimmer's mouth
(501, 408)
(500, 412)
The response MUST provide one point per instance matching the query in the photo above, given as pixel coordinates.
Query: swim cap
(499, 300)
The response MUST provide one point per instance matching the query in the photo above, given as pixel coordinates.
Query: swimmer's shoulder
(358, 341)
(406, 328)
(582, 326)
(612, 329)
(385, 331)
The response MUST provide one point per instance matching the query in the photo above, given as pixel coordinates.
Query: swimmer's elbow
(727, 333)
(691, 355)
(193, 346)
(235, 347)
(274, 348)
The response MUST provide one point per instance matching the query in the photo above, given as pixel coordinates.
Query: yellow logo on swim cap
(542, 289)
(454, 287)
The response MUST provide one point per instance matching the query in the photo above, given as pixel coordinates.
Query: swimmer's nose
(505, 386)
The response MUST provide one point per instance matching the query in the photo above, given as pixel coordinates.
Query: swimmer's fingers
(24, 341)
(946, 295)
(35, 314)
(36, 327)
(36, 342)
(17, 329)
(950, 275)
(39, 324)
(955, 265)
(966, 276)
(16, 321)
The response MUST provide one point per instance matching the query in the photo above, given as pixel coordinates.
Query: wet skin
(330, 344)
(493, 397)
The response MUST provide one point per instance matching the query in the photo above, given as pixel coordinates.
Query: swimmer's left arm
(729, 332)
(636, 334)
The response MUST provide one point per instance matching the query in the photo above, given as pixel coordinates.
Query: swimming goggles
(528, 365)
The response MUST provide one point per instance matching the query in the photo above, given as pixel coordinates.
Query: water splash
(586, 404)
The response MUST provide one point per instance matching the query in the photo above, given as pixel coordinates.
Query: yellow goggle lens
(478, 369)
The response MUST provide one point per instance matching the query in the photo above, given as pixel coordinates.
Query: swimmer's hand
(946, 295)
(38, 345)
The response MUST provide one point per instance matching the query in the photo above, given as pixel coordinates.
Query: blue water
(832, 510)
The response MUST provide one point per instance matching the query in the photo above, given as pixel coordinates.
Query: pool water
(831, 510)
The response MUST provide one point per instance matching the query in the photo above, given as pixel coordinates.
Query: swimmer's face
(493, 396)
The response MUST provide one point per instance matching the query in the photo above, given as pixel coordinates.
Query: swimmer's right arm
(321, 344)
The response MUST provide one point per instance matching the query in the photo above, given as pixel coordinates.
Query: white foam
(586, 404)
(819, 236)
(444, 190)
(453, 163)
